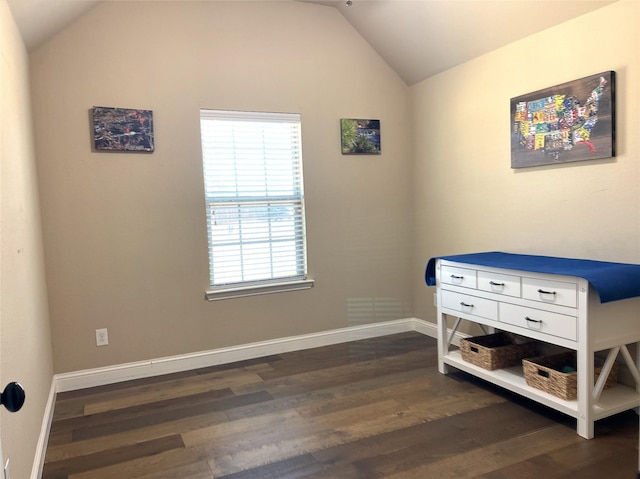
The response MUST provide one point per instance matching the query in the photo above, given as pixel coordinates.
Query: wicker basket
(495, 351)
(546, 373)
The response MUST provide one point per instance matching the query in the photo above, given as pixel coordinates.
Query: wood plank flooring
(368, 409)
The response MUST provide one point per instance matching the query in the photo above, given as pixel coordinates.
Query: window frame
(300, 280)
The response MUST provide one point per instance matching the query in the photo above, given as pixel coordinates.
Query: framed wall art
(573, 121)
(122, 129)
(360, 137)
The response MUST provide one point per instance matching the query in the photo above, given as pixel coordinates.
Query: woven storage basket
(495, 351)
(545, 373)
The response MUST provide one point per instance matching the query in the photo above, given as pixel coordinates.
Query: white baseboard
(47, 419)
(425, 327)
(431, 330)
(185, 362)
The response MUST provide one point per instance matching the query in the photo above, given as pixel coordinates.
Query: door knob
(13, 397)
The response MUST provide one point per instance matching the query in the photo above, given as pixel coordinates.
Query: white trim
(185, 362)
(431, 330)
(250, 115)
(425, 327)
(258, 289)
(47, 419)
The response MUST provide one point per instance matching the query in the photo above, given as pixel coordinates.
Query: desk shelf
(612, 401)
(560, 310)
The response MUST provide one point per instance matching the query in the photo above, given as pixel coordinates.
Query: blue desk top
(612, 281)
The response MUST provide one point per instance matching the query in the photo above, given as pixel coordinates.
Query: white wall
(125, 234)
(25, 339)
(467, 197)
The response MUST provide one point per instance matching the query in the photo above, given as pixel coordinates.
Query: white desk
(556, 309)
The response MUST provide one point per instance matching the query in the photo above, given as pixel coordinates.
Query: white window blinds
(254, 197)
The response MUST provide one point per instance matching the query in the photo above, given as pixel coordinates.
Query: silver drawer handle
(465, 305)
(531, 320)
(542, 291)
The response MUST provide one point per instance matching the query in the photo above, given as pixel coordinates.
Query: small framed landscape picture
(360, 137)
(122, 129)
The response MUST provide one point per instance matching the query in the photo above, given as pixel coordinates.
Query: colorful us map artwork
(569, 122)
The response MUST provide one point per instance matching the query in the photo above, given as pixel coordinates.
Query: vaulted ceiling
(417, 38)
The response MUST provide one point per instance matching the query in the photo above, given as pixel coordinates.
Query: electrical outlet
(435, 299)
(102, 337)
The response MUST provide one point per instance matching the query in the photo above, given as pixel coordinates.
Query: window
(255, 203)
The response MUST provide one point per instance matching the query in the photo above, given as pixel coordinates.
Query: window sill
(255, 290)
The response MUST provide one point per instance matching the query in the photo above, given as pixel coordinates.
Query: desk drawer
(560, 325)
(459, 276)
(553, 292)
(463, 303)
(506, 284)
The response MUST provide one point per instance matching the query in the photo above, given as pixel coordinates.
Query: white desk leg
(443, 346)
(585, 427)
(584, 354)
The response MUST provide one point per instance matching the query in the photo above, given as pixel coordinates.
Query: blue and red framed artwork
(122, 129)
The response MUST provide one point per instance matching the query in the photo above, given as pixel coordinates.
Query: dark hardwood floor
(368, 409)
